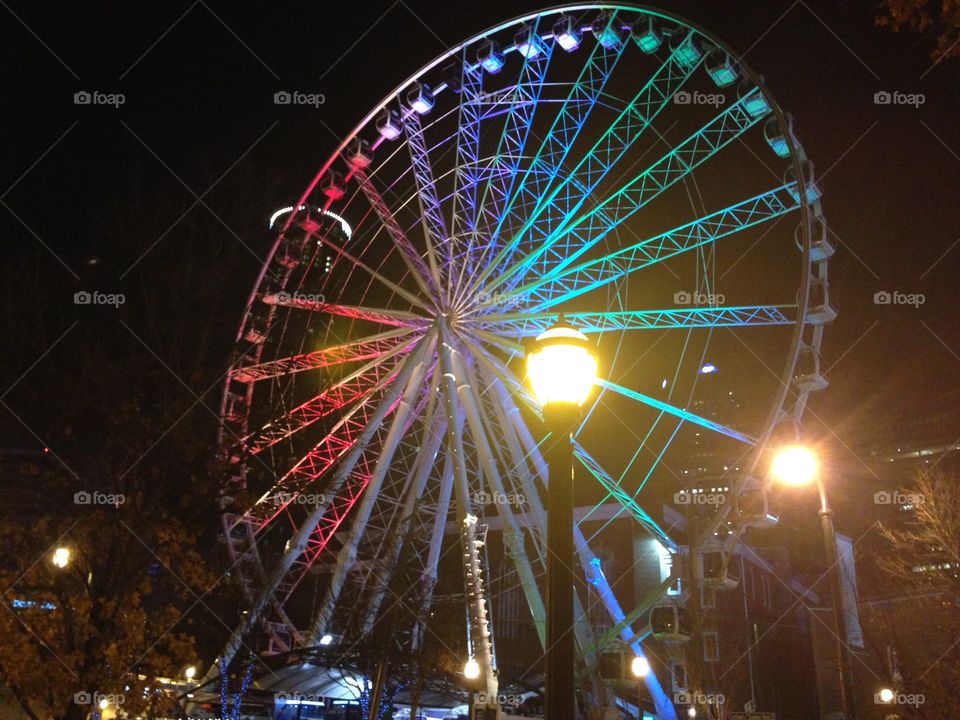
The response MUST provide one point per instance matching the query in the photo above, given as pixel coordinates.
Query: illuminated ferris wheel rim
(794, 151)
(807, 202)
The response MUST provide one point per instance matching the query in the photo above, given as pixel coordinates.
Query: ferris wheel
(613, 163)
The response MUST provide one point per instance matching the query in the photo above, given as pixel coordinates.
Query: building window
(711, 646)
(665, 559)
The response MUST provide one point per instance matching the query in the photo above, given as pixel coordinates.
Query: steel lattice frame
(373, 396)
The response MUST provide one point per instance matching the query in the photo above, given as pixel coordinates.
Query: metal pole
(836, 596)
(560, 695)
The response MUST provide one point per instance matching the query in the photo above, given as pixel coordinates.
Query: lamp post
(796, 466)
(562, 370)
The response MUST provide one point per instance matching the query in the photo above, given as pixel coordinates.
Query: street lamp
(190, 672)
(61, 557)
(471, 671)
(562, 370)
(797, 466)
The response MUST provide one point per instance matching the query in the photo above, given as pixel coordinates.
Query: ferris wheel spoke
(431, 214)
(579, 235)
(434, 430)
(499, 369)
(589, 562)
(411, 257)
(530, 190)
(539, 231)
(373, 487)
(628, 502)
(351, 258)
(506, 414)
(547, 292)
(512, 535)
(684, 415)
(367, 349)
(477, 611)
(522, 102)
(381, 316)
(338, 442)
(463, 213)
(367, 380)
(305, 473)
(532, 324)
(341, 505)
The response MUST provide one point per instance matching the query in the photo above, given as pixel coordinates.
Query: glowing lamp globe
(190, 672)
(640, 667)
(794, 465)
(471, 671)
(61, 557)
(562, 367)
(886, 695)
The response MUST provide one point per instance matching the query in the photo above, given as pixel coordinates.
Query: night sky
(198, 81)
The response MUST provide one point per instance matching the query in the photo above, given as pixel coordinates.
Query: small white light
(61, 557)
(886, 695)
(190, 673)
(326, 639)
(471, 671)
(640, 667)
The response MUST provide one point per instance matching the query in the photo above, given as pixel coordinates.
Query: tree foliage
(939, 18)
(109, 424)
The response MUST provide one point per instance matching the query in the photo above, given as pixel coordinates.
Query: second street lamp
(796, 466)
(562, 370)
